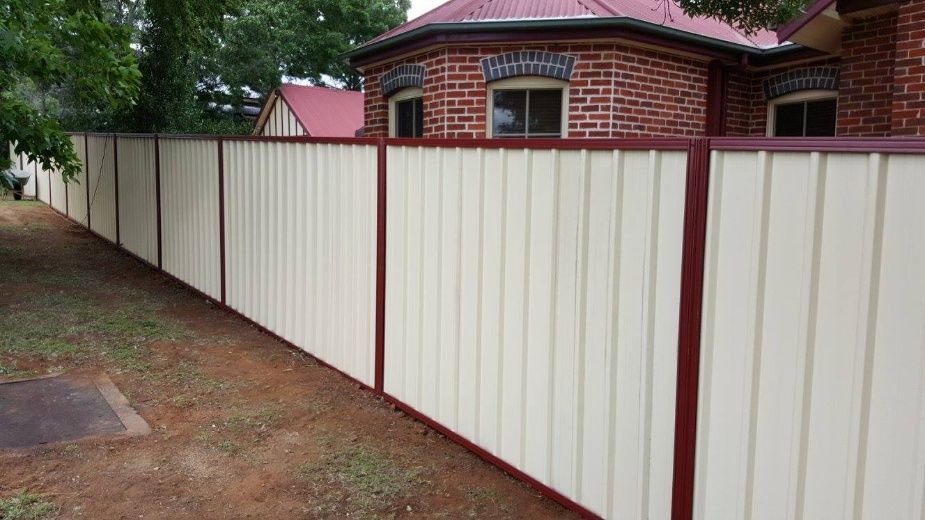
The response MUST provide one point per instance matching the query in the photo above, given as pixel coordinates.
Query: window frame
(526, 83)
(797, 97)
(405, 94)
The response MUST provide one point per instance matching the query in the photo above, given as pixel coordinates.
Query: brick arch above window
(809, 78)
(402, 76)
(528, 63)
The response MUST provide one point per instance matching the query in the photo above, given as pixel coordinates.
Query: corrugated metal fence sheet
(813, 373)
(532, 301)
(301, 246)
(532, 298)
(102, 184)
(77, 188)
(190, 213)
(138, 197)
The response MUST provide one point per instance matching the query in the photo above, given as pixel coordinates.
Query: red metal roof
(325, 112)
(651, 11)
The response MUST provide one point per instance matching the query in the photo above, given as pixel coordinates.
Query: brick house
(631, 68)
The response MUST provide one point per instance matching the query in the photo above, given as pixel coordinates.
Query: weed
(488, 496)
(368, 479)
(188, 375)
(13, 372)
(26, 506)
(228, 447)
(258, 421)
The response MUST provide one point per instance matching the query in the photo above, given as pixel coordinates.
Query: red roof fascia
(789, 29)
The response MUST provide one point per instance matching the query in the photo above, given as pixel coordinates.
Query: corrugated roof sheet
(325, 112)
(651, 11)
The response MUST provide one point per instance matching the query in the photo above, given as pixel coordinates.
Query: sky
(419, 7)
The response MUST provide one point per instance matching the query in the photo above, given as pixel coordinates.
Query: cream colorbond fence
(135, 162)
(532, 307)
(190, 212)
(100, 171)
(77, 193)
(300, 234)
(813, 382)
(710, 329)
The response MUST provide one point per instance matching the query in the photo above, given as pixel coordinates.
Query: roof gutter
(629, 28)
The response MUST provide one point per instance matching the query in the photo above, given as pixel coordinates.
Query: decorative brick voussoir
(528, 63)
(809, 78)
(402, 76)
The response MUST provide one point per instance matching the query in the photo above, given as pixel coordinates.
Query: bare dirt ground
(242, 425)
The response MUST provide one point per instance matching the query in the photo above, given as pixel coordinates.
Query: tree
(745, 15)
(50, 44)
(299, 38)
(174, 35)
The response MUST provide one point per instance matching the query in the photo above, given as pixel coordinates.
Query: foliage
(746, 15)
(300, 38)
(26, 506)
(50, 45)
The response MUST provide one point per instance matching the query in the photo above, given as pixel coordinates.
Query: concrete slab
(49, 410)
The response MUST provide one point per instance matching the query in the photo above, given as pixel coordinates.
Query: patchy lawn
(243, 426)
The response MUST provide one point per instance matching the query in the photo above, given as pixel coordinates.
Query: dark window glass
(409, 118)
(546, 112)
(820, 118)
(527, 113)
(806, 119)
(510, 113)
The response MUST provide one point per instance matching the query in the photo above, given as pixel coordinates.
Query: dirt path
(243, 426)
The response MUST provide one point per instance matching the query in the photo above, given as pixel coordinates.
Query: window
(528, 108)
(406, 113)
(804, 114)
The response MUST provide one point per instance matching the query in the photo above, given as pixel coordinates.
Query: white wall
(301, 246)
(532, 306)
(282, 122)
(813, 370)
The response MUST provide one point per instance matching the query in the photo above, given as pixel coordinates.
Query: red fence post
(221, 214)
(692, 268)
(157, 197)
(115, 170)
(381, 155)
(87, 173)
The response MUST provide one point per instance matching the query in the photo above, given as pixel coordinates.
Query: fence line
(709, 328)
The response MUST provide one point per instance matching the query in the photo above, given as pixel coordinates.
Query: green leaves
(745, 15)
(58, 44)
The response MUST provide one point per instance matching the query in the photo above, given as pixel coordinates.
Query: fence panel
(533, 301)
(301, 246)
(42, 184)
(813, 368)
(57, 191)
(138, 197)
(77, 188)
(102, 179)
(189, 212)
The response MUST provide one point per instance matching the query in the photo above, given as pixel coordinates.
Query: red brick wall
(746, 104)
(865, 99)
(615, 91)
(908, 111)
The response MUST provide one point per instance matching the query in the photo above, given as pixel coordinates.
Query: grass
(62, 325)
(13, 372)
(26, 506)
(258, 421)
(363, 477)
